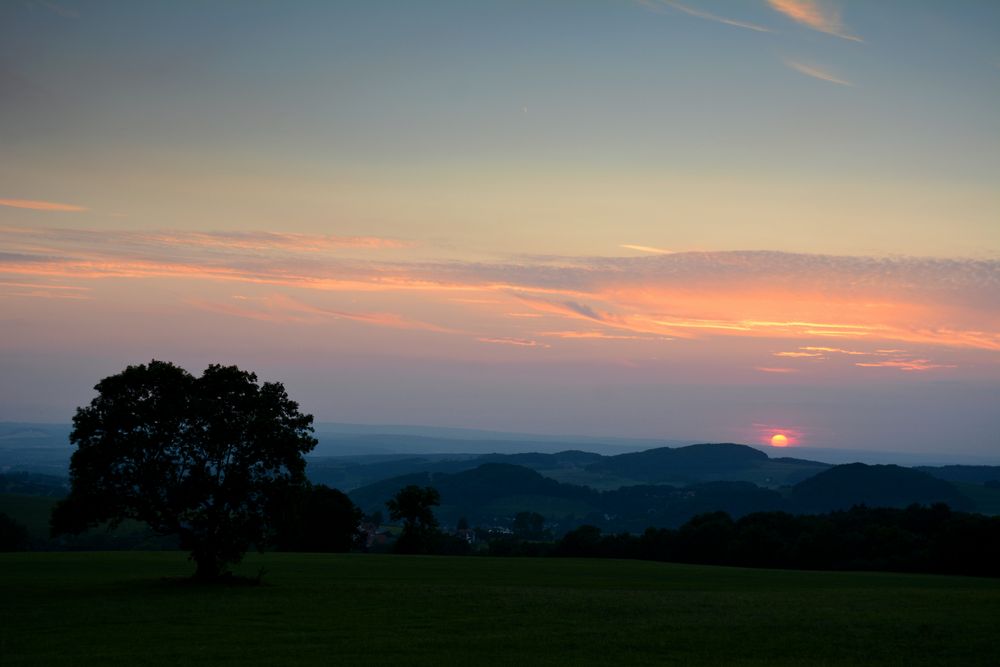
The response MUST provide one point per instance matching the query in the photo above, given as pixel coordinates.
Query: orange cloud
(778, 370)
(814, 14)
(35, 205)
(883, 303)
(904, 364)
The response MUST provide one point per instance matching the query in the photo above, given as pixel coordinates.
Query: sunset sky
(701, 220)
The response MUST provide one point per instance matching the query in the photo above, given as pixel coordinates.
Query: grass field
(31, 511)
(135, 608)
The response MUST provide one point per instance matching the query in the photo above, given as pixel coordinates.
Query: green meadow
(137, 608)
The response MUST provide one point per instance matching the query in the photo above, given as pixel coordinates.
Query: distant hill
(34, 484)
(39, 448)
(971, 474)
(679, 466)
(706, 462)
(876, 486)
(492, 493)
(654, 464)
(485, 491)
(566, 459)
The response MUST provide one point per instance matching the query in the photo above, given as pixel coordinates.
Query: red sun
(779, 440)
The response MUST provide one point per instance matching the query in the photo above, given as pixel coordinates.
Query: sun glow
(779, 440)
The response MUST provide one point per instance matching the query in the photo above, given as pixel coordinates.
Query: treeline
(308, 518)
(924, 539)
(920, 538)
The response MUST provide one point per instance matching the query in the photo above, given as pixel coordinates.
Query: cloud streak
(886, 303)
(907, 365)
(282, 308)
(817, 73)
(222, 240)
(36, 205)
(708, 16)
(646, 248)
(516, 342)
(814, 14)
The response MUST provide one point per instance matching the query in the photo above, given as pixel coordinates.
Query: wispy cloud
(838, 350)
(36, 205)
(646, 248)
(884, 303)
(223, 240)
(817, 73)
(282, 308)
(909, 365)
(596, 335)
(32, 290)
(58, 9)
(879, 358)
(708, 16)
(776, 370)
(517, 342)
(815, 14)
(269, 240)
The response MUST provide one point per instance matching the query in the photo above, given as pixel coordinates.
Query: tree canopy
(207, 458)
(413, 505)
(317, 518)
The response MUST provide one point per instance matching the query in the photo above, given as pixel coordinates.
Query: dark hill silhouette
(538, 461)
(875, 486)
(674, 463)
(471, 490)
(679, 466)
(477, 493)
(635, 508)
(969, 474)
(492, 491)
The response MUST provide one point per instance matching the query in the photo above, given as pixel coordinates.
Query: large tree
(413, 505)
(209, 458)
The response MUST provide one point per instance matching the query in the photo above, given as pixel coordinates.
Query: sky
(702, 220)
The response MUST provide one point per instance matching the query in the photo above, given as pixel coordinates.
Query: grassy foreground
(134, 608)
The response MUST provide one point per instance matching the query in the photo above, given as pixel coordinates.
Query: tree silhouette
(316, 518)
(13, 534)
(208, 458)
(412, 505)
(529, 526)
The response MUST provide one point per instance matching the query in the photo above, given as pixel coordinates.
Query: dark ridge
(842, 487)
